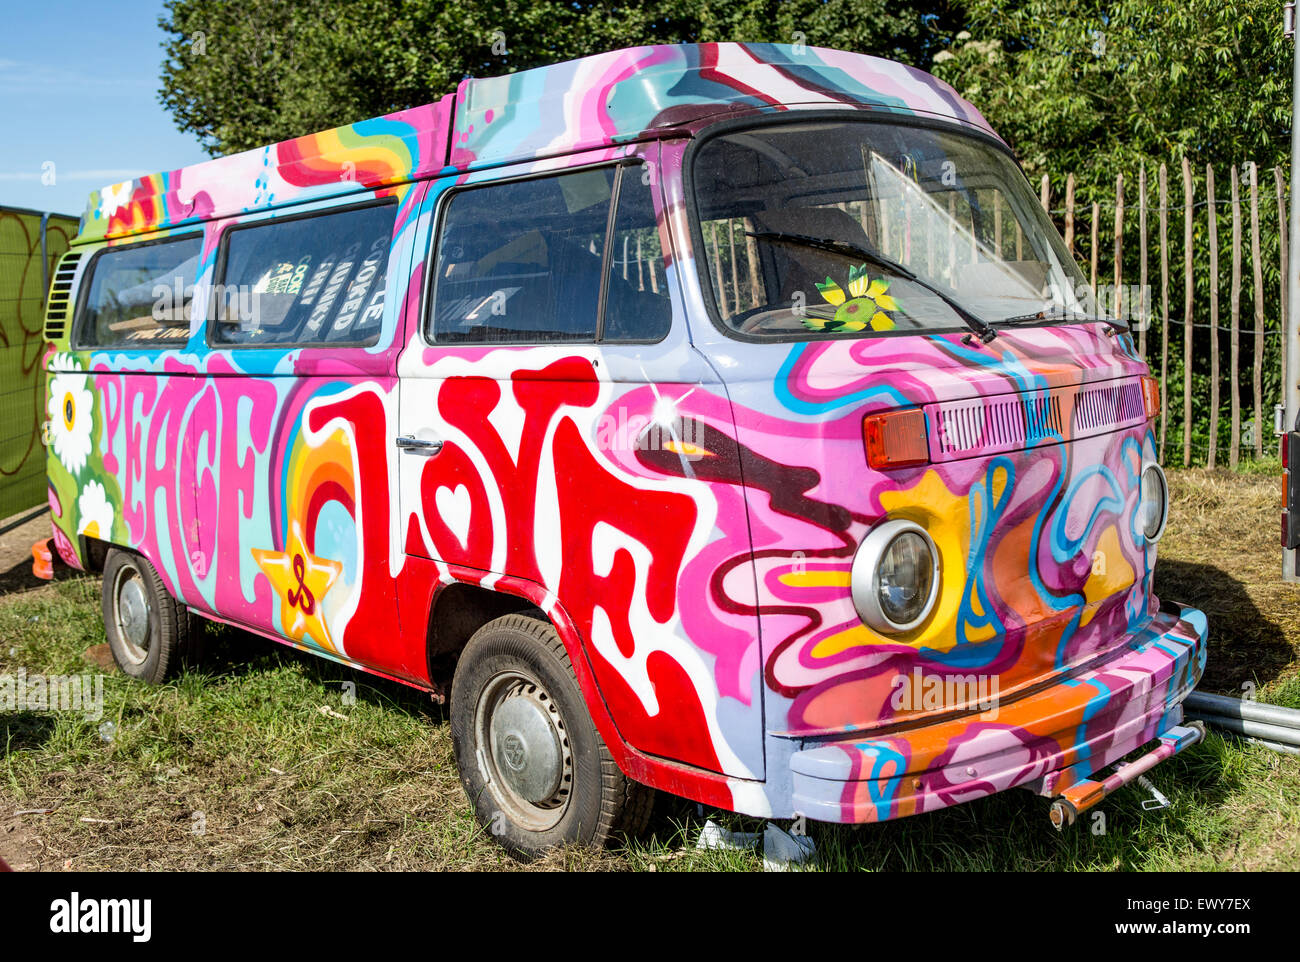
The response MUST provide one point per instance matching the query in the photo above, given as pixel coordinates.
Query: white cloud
(99, 176)
(22, 75)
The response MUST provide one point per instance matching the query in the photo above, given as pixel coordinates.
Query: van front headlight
(1153, 502)
(895, 578)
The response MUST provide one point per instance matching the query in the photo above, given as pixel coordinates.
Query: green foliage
(1099, 88)
(242, 75)
(1094, 87)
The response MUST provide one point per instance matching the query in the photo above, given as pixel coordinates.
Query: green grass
(1269, 464)
(277, 783)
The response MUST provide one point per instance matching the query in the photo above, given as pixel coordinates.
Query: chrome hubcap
(132, 611)
(526, 746)
(527, 757)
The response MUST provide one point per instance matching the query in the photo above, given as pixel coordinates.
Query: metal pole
(1253, 729)
(1208, 704)
(45, 258)
(1292, 396)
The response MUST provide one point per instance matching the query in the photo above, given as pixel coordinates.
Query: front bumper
(1046, 741)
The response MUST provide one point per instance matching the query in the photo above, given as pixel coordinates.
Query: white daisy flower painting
(94, 511)
(69, 410)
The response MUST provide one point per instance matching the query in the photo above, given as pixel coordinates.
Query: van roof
(602, 100)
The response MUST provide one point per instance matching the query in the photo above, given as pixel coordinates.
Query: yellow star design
(301, 580)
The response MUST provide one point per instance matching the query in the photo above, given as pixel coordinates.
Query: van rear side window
(521, 260)
(140, 295)
(637, 304)
(318, 279)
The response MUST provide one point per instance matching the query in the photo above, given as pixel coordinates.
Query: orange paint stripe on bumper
(1046, 741)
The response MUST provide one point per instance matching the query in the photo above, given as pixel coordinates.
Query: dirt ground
(16, 551)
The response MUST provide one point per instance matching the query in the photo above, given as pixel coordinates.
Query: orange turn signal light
(895, 439)
(1151, 396)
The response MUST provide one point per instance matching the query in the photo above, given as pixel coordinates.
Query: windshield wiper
(982, 329)
(1060, 312)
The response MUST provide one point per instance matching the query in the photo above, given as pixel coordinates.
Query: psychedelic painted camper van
(720, 419)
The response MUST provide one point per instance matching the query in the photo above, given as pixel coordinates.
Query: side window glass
(521, 261)
(308, 280)
(638, 307)
(140, 296)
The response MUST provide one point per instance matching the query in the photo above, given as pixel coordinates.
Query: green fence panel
(22, 345)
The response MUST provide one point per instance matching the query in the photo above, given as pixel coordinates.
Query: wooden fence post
(1164, 308)
(997, 223)
(1069, 215)
(952, 234)
(735, 268)
(1117, 296)
(717, 269)
(1259, 310)
(1092, 278)
(1144, 301)
(1234, 357)
(1188, 291)
(751, 256)
(1212, 453)
(1045, 193)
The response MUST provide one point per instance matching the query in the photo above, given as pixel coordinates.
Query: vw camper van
(721, 419)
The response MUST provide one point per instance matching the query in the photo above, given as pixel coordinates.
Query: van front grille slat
(1013, 422)
(60, 303)
(1110, 404)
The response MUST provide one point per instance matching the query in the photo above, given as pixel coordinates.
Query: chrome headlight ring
(1156, 473)
(865, 579)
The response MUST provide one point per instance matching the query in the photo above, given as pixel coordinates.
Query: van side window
(140, 295)
(637, 306)
(318, 279)
(521, 260)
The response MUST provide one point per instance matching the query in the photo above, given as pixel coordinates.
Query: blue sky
(78, 88)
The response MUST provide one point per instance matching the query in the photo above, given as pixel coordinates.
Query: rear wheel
(531, 761)
(148, 630)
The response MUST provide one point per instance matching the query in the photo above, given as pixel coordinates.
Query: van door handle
(407, 442)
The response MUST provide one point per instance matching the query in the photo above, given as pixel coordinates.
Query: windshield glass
(852, 227)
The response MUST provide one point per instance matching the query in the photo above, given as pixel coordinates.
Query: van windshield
(855, 228)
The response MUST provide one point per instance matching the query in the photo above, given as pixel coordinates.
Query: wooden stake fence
(1200, 227)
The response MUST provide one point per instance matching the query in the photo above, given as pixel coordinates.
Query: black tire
(149, 643)
(565, 787)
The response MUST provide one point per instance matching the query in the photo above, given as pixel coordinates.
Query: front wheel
(148, 630)
(531, 761)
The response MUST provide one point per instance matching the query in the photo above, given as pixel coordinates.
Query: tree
(246, 74)
(1092, 87)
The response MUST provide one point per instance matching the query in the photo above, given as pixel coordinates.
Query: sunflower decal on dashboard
(867, 304)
